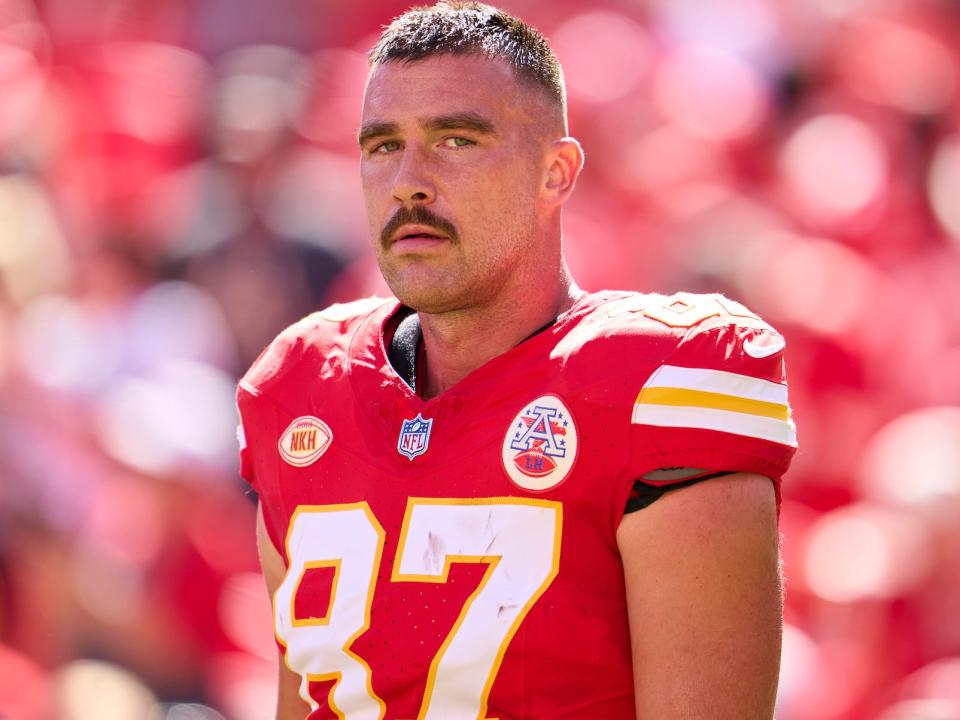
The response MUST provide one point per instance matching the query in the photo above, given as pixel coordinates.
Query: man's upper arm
(271, 562)
(704, 598)
(289, 704)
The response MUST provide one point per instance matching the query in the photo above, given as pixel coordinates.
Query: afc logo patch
(414, 436)
(540, 447)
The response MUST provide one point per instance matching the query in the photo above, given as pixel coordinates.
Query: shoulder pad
(323, 336)
(636, 317)
(725, 335)
(686, 310)
(724, 374)
(633, 332)
(344, 312)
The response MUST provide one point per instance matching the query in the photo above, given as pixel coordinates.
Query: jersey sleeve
(253, 395)
(718, 403)
(307, 355)
(252, 465)
(246, 464)
(257, 396)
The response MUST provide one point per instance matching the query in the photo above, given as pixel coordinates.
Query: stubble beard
(432, 288)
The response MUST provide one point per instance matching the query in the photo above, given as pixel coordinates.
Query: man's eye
(387, 147)
(458, 142)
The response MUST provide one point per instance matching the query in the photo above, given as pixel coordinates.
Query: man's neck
(457, 343)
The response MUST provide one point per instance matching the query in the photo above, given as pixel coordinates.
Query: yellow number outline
(335, 676)
(307, 567)
(491, 561)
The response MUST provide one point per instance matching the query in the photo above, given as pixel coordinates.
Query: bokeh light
(604, 55)
(666, 163)
(24, 51)
(335, 81)
(33, 259)
(800, 659)
(140, 77)
(863, 552)
(316, 197)
(180, 414)
(939, 680)
(93, 690)
(834, 166)
(739, 26)
(944, 185)
(817, 283)
(246, 614)
(25, 690)
(259, 96)
(896, 65)
(915, 459)
(923, 710)
(245, 685)
(60, 346)
(184, 711)
(709, 94)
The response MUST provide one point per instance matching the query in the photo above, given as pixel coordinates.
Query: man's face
(452, 163)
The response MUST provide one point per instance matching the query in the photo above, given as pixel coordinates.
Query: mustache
(417, 215)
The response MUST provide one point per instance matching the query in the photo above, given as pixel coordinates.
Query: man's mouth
(417, 232)
(415, 226)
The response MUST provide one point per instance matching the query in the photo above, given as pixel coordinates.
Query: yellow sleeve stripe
(700, 398)
(716, 400)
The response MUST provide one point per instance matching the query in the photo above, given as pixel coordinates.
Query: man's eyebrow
(376, 129)
(460, 121)
(456, 121)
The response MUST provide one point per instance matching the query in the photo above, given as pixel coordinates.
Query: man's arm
(704, 598)
(289, 704)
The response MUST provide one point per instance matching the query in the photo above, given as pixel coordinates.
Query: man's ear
(564, 163)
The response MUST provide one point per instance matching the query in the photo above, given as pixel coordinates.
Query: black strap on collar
(404, 347)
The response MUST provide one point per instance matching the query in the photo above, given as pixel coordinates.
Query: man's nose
(413, 182)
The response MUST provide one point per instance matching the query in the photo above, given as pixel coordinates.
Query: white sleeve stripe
(718, 381)
(763, 428)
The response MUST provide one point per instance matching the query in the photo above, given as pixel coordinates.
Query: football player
(498, 496)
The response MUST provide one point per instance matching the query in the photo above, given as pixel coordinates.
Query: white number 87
(517, 538)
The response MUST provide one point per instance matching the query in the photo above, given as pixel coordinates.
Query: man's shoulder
(703, 375)
(630, 330)
(617, 321)
(321, 338)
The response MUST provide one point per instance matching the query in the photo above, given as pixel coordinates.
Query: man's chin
(430, 302)
(425, 287)
(426, 297)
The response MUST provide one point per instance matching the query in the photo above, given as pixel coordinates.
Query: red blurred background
(178, 182)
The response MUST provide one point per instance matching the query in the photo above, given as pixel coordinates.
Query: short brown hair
(456, 28)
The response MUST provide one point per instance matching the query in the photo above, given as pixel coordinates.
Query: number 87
(517, 538)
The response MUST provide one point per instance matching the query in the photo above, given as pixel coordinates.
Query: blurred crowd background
(179, 181)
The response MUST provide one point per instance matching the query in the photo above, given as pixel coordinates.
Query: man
(502, 497)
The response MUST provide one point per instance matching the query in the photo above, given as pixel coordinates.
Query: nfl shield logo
(414, 436)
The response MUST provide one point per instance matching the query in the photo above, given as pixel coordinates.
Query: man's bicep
(271, 562)
(289, 704)
(704, 597)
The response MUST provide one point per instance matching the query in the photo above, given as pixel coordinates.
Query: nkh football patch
(414, 436)
(541, 444)
(304, 441)
(716, 400)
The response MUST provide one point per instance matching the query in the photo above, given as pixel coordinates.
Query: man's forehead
(441, 77)
(401, 92)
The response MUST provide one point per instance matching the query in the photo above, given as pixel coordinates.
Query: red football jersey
(456, 558)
